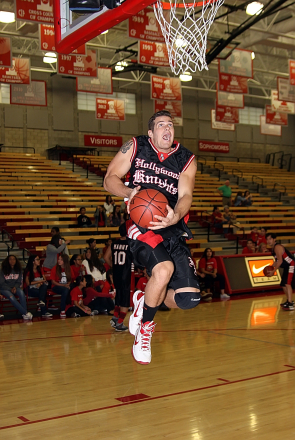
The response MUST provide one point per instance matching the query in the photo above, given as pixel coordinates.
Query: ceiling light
(50, 54)
(254, 8)
(253, 55)
(180, 42)
(7, 17)
(185, 76)
(49, 60)
(120, 65)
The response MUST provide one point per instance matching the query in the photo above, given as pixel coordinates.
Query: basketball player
(119, 257)
(285, 260)
(157, 162)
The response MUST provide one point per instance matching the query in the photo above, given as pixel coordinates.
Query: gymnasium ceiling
(272, 39)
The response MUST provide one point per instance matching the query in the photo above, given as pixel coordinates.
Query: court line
(164, 396)
(250, 339)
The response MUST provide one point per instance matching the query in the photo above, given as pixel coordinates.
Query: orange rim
(167, 5)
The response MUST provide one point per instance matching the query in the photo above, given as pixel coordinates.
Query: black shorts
(174, 250)
(122, 298)
(288, 277)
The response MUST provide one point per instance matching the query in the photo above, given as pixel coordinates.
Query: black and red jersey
(288, 258)
(122, 259)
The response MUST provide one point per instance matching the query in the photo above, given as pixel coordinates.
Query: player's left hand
(170, 219)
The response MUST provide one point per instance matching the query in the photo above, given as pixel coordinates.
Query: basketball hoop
(186, 36)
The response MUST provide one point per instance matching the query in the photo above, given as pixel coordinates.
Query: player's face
(162, 135)
(270, 241)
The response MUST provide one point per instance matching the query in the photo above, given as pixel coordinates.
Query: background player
(286, 261)
(156, 162)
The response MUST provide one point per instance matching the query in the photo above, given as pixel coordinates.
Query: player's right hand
(132, 194)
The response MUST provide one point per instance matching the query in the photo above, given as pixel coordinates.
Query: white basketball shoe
(141, 349)
(135, 318)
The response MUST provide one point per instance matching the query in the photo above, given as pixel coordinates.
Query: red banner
(216, 125)
(102, 84)
(281, 106)
(232, 83)
(275, 118)
(93, 140)
(32, 94)
(230, 115)
(166, 89)
(19, 73)
(173, 107)
(144, 26)
(40, 11)
(5, 52)
(78, 65)
(154, 54)
(214, 147)
(229, 99)
(292, 72)
(239, 63)
(111, 109)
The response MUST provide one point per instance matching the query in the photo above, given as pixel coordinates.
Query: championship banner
(5, 52)
(33, 94)
(239, 63)
(292, 72)
(93, 140)
(229, 99)
(40, 11)
(19, 73)
(173, 107)
(232, 83)
(286, 92)
(144, 26)
(230, 115)
(110, 109)
(214, 147)
(281, 106)
(78, 65)
(216, 125)
(47, 40)
(255, 266)
(102, 84)
(269, 129)
(276, 118)
(165, 89)
(154, 54)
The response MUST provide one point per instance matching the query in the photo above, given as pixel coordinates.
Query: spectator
(126, 216)
(218, 219)
(10, 285)
(226, 192)
(94, 267)
(54, 248)
(254, 235)
(56, 231)
(116, 217)
(242, 201)
(261, 236)
(107, 244)
(250, 248)
(83, 220)
(102, 301)
(262, 248)
(77, 307)
(142, 282)
(61, 277)
(77, 267)
(208, 266)
(229, 217)
(247, 198)
(100, 217)
(35, 284)
(109, 205)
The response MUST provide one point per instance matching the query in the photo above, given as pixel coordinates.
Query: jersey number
(119, 257)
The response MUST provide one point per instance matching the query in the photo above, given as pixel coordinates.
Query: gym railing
(22, 148)
(280, 192)
(290, 163)
(234, 173)
(257, 178)
(87, 164)
(219, 169)
(282, 161)
(3, 233)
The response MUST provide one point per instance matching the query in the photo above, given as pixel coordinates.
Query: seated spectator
(240, 200)
(254, 235)
(109, 205)
(261, 236)
(228, 216)
(250, 248)
(100, 217)
(218, 219)
(83, 220)
(116, 218)
(54, 248)
(77, 267)
(10, 285)
(77, 307)
(56, 231)
(262, 248)
(208, 266)
(61, 277)
(35, 284)
(247, 198)
(102, 301)
(94, 267)
(107, 244)
(126, 216)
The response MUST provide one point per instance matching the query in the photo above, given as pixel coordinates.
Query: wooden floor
(224, 370)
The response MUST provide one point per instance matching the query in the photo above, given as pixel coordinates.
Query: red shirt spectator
(63, 279)
(76, 295)
(254, 235)
(141, 285)
(250, 248)
(209, 265)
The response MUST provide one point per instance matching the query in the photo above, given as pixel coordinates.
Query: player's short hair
(82, 207)
(151, 122)
(274, 236)
(250, 239)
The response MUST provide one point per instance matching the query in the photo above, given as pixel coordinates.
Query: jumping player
(157, 162)
(285, 260)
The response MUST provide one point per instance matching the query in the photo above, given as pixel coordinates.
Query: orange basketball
(267, 270)
(145, 205)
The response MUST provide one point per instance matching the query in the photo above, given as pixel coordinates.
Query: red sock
(116, 312)
(121, 317)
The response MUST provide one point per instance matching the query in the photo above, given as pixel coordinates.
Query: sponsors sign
(255, 266)
(286, 92)
(166, 89)
(110, 109)
(102, 84)
(5, 52)
(32, 94)
(19, 73)
(227, 114)
(217, 125)
(78, 65)
(40, 11)
(229, 99)
(215, 147)
(232, 83)
(154, 54)
(239, 63)
(269, 129)
(276, 118)
(281, 106)
(173, 107)
(144, 26)
(292, 72)
(93, 140)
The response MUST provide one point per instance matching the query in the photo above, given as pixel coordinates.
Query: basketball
(267, 270)
(145, 205)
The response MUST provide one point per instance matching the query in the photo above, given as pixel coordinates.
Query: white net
(185, 30)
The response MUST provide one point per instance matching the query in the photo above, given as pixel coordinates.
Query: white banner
(286, 92)
(229, 99)
(220, 125)
(281, 106)
(269, 129)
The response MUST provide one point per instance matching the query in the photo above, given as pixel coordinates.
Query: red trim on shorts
(188, 163)
(151, 239)
(290, 273)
